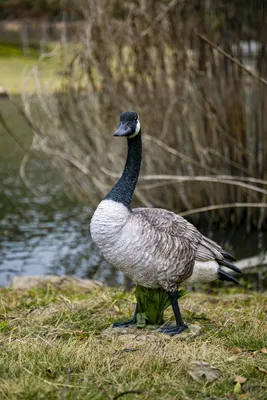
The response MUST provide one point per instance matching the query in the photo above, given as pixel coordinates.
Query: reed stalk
(203, 117)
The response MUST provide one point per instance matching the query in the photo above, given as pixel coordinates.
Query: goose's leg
(132, 321)
(180, 325)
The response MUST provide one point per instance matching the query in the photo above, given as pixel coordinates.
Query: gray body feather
(154, 247)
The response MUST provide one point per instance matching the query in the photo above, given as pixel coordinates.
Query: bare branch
(231, 58)
(222, 206)
(230, 180)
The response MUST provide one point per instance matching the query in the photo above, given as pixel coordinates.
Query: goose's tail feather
(229, 265)
(227, 255)
(224, 276)
(208, 250)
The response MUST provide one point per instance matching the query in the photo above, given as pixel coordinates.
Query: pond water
(48, 233)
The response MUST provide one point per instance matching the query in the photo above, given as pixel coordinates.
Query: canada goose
(152, 246)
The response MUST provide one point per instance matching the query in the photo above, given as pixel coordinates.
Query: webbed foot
(173, 330)
(125, 323)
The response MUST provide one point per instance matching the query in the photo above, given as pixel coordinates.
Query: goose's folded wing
(204, 249)
(181, 242)
(169, 223)
(175, 241)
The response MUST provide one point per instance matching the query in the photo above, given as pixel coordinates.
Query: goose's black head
(129, 125)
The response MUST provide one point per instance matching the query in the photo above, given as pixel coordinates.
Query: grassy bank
(52, 346)
(15, 67)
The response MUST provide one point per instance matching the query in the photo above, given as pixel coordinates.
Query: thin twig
(143, 199)
(23, 175)
(160, 16)
(231, 58)
(222, 206)
(177, 153)
(224, 179)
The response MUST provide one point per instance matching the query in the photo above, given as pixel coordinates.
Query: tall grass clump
(203, 117)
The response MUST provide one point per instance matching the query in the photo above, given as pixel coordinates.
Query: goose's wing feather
(208, 250)
(173, 239)
(189, 245)
(172, 224)
(169, 223)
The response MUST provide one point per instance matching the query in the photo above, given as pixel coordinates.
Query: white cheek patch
(137, 130)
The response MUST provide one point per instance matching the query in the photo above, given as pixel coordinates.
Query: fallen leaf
(262, 370)
(255, 353)
(240, 379)
(201, 370)
(116, 308)
(237, 388)
(236, 350)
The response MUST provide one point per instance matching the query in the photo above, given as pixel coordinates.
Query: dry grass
(52, 346)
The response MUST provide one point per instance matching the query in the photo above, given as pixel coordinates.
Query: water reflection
(44, 234)
(39, 239)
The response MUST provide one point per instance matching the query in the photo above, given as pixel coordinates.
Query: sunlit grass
(52, 346)
(15, 67)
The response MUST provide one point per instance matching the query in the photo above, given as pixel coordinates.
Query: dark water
(48, 233)
(45, 232)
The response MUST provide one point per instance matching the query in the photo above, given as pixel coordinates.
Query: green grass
(15, 67)
(52, 346)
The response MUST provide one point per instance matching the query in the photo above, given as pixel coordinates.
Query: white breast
(107, 221)
(119, 238)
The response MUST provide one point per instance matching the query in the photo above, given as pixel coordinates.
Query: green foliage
(151, 305)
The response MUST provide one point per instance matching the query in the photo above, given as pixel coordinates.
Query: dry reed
(202, 115)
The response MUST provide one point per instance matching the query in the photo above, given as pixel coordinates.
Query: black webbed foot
(180, 325)
(125, 324)
(173, 330)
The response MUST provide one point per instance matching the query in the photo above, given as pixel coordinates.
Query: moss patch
(52, 346)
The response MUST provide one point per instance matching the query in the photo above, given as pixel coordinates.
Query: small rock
(60, 282)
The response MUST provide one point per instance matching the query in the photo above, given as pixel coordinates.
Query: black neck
(123, 191)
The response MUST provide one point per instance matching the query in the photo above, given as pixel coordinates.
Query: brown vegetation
(203, 117)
